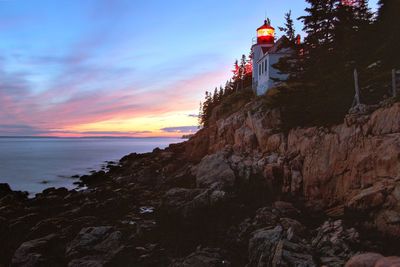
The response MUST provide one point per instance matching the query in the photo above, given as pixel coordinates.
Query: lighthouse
(266, 35)
(265, 52)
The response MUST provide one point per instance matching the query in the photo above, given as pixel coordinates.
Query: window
(266, 65)
(262, 67)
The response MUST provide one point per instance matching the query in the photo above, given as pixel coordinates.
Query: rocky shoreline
(239, 193)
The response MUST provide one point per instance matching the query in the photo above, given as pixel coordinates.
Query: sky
(138, 68)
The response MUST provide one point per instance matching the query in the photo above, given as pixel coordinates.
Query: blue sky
(73, 67)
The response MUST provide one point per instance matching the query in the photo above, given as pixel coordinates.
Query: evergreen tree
(289, 64)
(215, 96)
(388, 25)
(249, 67)
(221, 94)
(236, 71)
(352, 44)
(327, 62)
(228, 88)
(320, 87)
(236, 75)
(242, 67)
(289, 29)
(200, 116)
(207, 105)
(242, 76)
(354, 49)
(318, 44)
(242, 70)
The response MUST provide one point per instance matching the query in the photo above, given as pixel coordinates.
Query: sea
(33, 164)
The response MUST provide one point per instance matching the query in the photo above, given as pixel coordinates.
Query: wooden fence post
(394, 86)
(357, 88)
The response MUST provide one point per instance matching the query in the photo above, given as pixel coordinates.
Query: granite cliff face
(239, 193)
(351, 168)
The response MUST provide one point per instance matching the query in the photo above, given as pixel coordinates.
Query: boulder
(269, 217)
(214, 172)
(368, 198)
(364, 260)
(373, 260)
(187, 204)
(94, 246)
(175, 200)
(388, 262)
(45, 251)
(334, 243)
(278, 247)
(388, 222)
(197, 147)
(93, 179)
(286, 209)
(5, 189)
(203, 257)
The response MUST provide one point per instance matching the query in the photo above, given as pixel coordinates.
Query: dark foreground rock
(239, 193)
(203, 257)
(373, 260)
(43, 251)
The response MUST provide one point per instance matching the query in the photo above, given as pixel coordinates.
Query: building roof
(277, 48)
(265, 49)
(266, 25)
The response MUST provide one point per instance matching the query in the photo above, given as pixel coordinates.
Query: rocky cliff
(351, 168)
(241, 192)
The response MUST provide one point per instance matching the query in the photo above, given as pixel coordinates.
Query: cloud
(26, 130)
(49, 92)
(18, 130)
(68, 101)
(51, 59)
(180, 129)
(113, 133)
(14, 92)
(14, 126)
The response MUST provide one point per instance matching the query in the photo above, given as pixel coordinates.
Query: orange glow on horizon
(144, 126)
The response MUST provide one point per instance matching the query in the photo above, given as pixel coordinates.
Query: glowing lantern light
(265, 34)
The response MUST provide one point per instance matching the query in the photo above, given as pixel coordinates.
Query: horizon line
(83, 137)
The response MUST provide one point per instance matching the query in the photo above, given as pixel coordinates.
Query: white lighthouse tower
(265, 53)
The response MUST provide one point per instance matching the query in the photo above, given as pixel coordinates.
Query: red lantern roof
(265, 34)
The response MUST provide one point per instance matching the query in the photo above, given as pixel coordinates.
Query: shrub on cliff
(235, 101)
(236, 91)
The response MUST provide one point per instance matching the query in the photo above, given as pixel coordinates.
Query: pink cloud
(105, 104)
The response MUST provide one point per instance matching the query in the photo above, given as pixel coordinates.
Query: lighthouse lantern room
(265, 34)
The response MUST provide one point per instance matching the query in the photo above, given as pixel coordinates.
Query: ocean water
(33, 164)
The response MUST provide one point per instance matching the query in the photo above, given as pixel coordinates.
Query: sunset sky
(120, 67)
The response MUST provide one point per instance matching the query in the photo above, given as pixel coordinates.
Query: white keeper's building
(265, 52)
